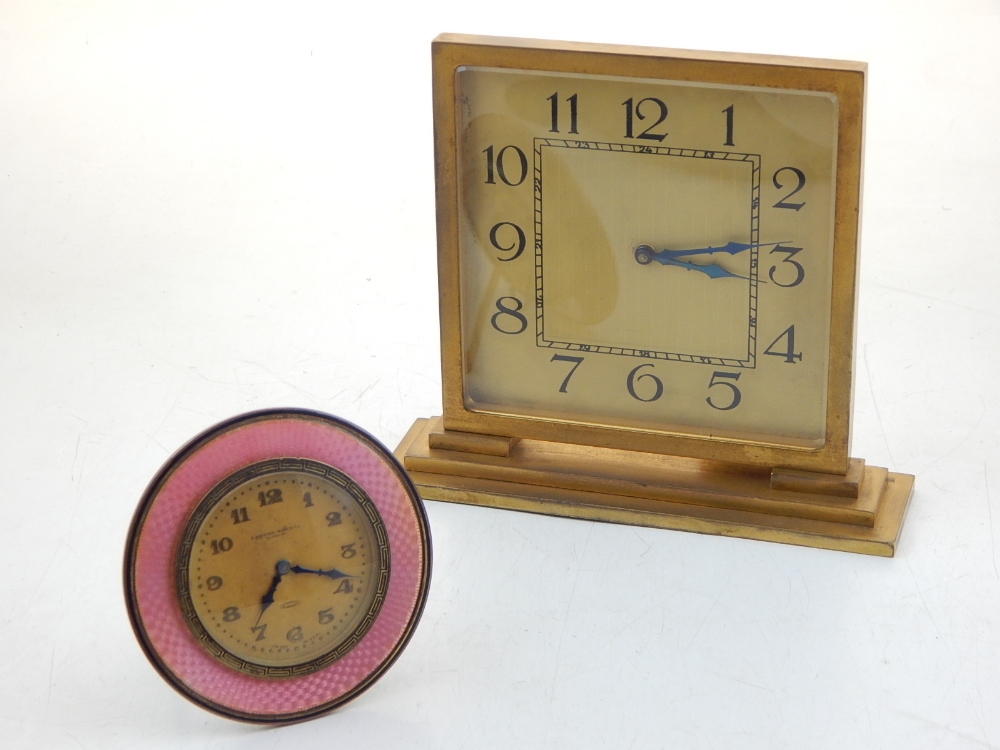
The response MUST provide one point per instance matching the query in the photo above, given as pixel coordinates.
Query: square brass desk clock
(648, 281)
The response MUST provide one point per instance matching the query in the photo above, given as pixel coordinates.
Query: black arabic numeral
(213, 583)
(729, 125)
(572, 114)
(240, 515)
(518, 243)
(637, 112)
(325, 616)
(308, 499)
(633, 378)
(345, 587)
(722, 378)
(259, 630)
(800, 176)
(498, 165)
(231, 614)
(221, 545)
(295, 634)
(333, 518)
(347, 551)
(513, 312)
(270, 497)
(554, 100)
(566, 358)
(788, 353)
(790, 252)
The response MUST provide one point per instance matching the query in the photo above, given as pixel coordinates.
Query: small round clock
(277, 565)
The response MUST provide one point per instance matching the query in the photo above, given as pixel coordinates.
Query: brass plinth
(861, 511)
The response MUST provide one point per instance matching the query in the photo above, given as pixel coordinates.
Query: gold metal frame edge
(844, 79)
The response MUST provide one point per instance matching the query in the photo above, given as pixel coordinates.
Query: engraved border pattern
(205, 507)
(754, 159)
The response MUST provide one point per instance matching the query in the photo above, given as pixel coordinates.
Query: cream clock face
(646, 253)
(282, 571)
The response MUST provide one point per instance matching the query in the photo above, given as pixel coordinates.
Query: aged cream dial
(646, 253)
(283, 567)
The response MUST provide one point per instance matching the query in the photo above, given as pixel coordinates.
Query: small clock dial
(646, 253)
(281, 569)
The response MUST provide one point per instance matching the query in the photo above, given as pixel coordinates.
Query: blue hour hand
(333, 574)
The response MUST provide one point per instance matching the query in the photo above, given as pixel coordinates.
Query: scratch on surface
(48, 697)
(273, 374)
(648, 545)
(950, 581)
(960, 443)
(370, 386)
(981, 717)
(989, 512)
(732, 678)
(634, 620)
(42, 578)
(932, 298)
(709, 612)
(878, 414)
(76, 452)
(569, 601)
(868, 713)
(151, 436)
(945, 728)
(923, 601)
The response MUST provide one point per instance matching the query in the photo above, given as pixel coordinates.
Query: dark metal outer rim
(139, 517)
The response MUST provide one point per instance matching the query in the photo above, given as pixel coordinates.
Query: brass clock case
(587, 297)
(647, 264)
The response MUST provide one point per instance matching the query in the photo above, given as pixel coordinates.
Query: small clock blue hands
(645, 254)
(282, 568)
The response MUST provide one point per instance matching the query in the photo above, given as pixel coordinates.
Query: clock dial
(281, 570)
(645, 253)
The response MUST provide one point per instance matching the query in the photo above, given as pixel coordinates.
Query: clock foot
(668, 492)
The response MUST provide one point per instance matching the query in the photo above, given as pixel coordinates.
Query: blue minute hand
(732, 248)
(644, 254)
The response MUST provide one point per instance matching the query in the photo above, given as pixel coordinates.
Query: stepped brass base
(861, 511)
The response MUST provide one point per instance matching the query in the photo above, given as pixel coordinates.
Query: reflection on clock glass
(281, 570)
(647, 253)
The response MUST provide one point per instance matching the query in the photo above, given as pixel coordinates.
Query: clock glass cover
(315, 582)
(644, 253)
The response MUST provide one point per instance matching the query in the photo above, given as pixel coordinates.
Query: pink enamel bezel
(171, 498)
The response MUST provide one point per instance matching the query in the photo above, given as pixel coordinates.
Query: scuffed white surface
(209, 207)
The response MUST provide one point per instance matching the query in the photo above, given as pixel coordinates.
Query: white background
(209, 207)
